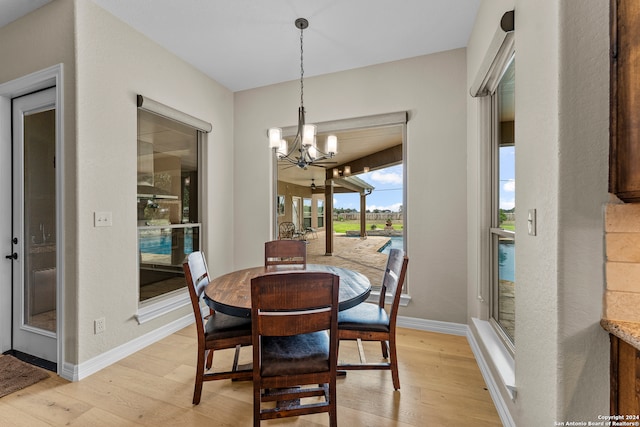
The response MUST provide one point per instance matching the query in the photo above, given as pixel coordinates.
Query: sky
(388, 186)
(386, 195)
(507, 177)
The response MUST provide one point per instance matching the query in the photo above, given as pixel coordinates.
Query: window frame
(500, 54)
(399, 118)
(158, 306)
(499, 354)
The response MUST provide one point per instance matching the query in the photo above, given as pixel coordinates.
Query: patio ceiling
(375, 148)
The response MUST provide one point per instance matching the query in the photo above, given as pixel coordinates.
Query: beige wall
(432, 89)
(561, 138)
(115, 63)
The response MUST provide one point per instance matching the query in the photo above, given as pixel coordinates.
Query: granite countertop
(627, 331)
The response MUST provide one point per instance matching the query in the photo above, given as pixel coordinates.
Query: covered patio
(351, 252)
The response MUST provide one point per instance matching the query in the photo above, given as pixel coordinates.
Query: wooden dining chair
(370, 322)
(293, 355)
(278, 252)
(216, 331)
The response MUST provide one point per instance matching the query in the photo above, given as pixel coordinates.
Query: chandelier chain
(301, 69)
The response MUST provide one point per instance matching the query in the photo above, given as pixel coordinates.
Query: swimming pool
(395, 242)
(507, 261)
(506, 256)
(160, 243)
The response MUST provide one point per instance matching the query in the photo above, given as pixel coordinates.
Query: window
(306, 213)
(503, 233)
(167, 202)
(320, 213)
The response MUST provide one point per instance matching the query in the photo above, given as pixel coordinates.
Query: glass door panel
(40, 220)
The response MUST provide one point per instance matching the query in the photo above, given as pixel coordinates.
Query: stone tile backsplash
(622, 247)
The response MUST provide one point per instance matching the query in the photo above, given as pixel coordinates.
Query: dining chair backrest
(197, 278)
(278, 252)
(393, 279)
(280, 299)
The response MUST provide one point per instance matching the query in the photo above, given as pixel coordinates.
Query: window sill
(497, 353)
(157, 307)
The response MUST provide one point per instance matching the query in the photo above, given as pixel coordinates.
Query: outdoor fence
(369, 216)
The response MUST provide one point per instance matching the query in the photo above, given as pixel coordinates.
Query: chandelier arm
(297, 142)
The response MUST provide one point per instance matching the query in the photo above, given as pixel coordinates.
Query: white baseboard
(433, 326)
(73, 372)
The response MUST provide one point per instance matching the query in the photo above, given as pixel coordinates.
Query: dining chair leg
(394, 364)
(256, 406)
(197, 392)
(333, 408)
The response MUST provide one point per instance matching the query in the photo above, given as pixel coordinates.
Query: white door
(33, 257)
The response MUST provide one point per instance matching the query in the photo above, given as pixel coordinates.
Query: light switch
(531, 222)
(102, 219)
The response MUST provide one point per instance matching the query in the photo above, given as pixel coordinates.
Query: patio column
(363, 216)
(328, 215)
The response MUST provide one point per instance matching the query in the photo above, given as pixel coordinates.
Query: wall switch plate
(102, 219)
(531, 222)
(99, 325)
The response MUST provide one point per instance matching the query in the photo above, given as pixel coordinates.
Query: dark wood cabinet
(625, 378)
(624, 153)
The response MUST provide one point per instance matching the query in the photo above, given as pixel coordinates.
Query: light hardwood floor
(441, 385)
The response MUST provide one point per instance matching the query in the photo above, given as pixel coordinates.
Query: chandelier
(303, 151)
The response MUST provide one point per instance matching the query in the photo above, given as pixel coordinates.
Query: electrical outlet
(99, 325)
(102, 219)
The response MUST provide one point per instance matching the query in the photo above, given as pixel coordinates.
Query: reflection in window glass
(167, 201)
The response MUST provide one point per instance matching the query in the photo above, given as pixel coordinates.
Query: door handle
(12, 256)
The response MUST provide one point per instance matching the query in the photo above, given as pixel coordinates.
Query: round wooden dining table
(231, 293)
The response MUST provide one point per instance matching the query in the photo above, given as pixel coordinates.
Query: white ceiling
(244, 44)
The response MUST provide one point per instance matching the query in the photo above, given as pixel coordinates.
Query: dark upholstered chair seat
(364, 317)
(221, 326)
(297, 354)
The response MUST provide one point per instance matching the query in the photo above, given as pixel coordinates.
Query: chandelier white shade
(304, 150)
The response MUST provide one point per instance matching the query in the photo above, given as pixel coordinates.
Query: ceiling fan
(317, 165)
